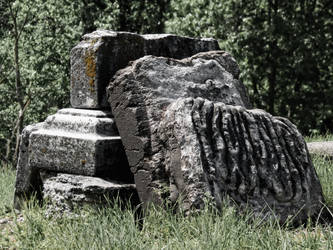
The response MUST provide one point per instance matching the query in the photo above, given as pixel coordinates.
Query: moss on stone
(90, 63)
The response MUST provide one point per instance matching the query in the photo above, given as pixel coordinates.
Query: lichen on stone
(90, 63)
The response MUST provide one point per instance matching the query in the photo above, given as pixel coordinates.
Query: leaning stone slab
(84, 142)
(259, 161)
(180, 147)
(101, 53)
(64, 192)
(141, 93)
(324, 148)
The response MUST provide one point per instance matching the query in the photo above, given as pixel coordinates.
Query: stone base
(74, 141)
(64, 192)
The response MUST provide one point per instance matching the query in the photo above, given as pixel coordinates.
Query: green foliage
(141, 16)
(324, 168)
(318, 137)
(49, 29)
(284, 49)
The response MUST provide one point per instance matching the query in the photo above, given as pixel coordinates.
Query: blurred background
(284, 50)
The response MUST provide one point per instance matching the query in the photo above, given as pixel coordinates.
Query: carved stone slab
(141, 93)
(101, 53)
(187, 148)
(259, 161)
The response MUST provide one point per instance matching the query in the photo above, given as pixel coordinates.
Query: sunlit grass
(113, 228)
(316, 137)
(7, 177)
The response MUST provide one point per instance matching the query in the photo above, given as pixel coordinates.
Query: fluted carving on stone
(188, 133)
(258, 160)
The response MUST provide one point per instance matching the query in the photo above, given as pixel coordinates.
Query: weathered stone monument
(163, 117)
(84, 140)
(185, 126)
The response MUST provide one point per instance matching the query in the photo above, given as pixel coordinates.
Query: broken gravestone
(185, 127)
(101, 53)
(261, 162)
(74, 141)
(188, 135)
(84, 140)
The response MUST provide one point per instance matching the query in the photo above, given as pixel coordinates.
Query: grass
(316, 137)
(113, 228)
(7, 177)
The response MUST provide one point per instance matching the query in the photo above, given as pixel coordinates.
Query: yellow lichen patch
(93, 41)
(89, 60)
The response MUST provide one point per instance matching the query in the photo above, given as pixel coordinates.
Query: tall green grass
(7, 177)
(113, 228)
(316, 137)
(324, 168)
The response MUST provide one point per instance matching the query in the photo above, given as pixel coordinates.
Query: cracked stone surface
(101, 53)
(165, 110)
(64, 192)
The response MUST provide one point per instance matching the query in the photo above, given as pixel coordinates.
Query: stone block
(75, 141)
(64, 192)
(261, 162)
(323, 148)
(101, 53)
(189, 136)
(76, 153)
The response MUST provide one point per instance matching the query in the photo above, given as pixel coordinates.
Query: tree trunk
(272, 7)
(18, 86)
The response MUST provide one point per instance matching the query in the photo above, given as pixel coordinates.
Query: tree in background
(140, 16)
(34, 65)
(18, 25)
(284, 49)
(36, 37)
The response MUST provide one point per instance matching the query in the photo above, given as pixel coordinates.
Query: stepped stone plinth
(74, 141)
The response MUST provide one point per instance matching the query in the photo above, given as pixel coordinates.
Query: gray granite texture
(76, 141)
(27, 178)
(259, 161)
(64, 192)
(188, 135)
(101, 53)
(141, 93)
